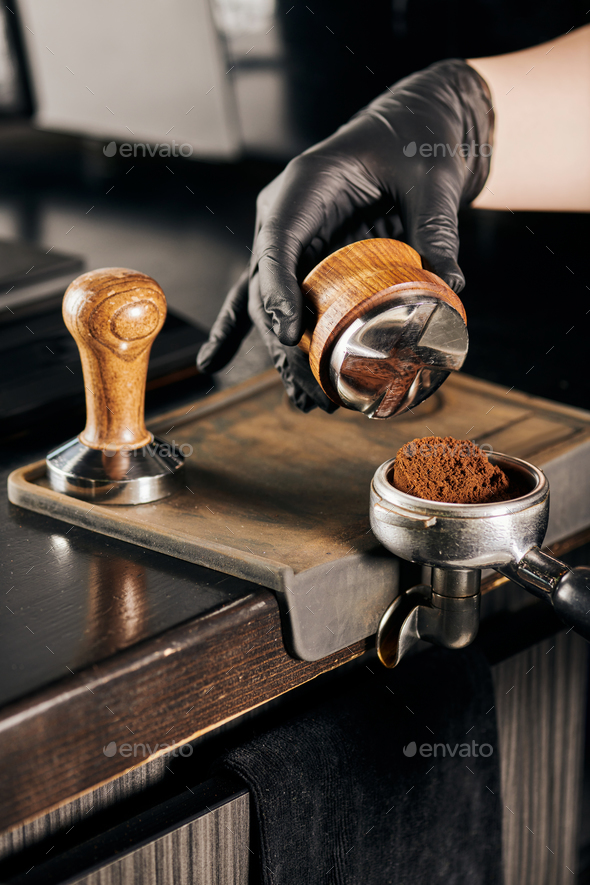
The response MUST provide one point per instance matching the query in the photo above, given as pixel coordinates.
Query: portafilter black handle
(571, 600)
(566, 589)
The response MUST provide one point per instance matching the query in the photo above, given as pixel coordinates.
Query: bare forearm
(541, 100)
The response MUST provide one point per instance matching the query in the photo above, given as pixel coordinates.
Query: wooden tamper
(386, 332)
(114, 315)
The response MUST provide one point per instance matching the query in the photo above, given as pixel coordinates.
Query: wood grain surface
(114, 315)
(165, 692)
(540, 705)
(244, 510)
(199, 836)
(354, 280)
(196, 676)
(213, 849)
(192, 838)
(24, 839)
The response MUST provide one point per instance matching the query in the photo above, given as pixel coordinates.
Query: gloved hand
(377, 174)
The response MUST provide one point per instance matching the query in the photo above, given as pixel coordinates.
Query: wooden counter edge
(163, 692)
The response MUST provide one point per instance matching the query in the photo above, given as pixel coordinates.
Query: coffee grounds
(456, 471)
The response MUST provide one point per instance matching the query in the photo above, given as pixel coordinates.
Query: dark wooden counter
(103, 641)
(162, 692)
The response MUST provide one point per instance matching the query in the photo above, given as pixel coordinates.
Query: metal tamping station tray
(282, 499)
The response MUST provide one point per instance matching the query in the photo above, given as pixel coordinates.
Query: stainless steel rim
(386, 491)
(418, 332)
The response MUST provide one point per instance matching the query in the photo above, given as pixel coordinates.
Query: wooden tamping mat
(272, 495)
(282, 498)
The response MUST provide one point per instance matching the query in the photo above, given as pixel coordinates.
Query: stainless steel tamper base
(388, 361)
(135, 476)
(457, 541)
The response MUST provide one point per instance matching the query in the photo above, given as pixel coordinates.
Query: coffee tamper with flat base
(114, 315)
(385, 332)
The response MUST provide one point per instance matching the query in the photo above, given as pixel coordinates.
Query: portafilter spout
(459, 540)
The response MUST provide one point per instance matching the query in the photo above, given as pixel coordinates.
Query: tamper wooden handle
(355, 272)
(114, 315)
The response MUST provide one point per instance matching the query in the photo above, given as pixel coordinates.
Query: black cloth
(337, 800)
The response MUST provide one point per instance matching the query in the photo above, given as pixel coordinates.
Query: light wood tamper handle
(114, 315)
(392, 358)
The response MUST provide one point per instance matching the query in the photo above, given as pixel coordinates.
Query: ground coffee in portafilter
(456, 471)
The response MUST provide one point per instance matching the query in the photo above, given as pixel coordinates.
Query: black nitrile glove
(376, 175)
